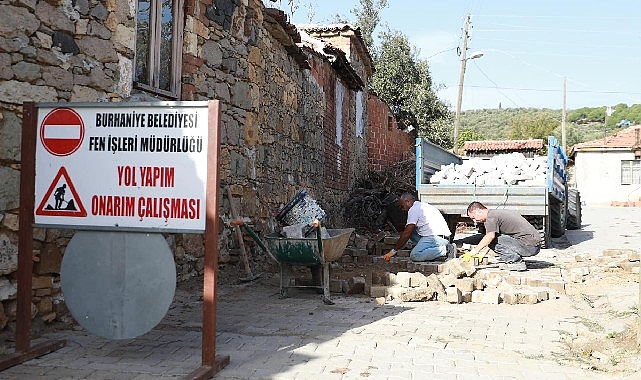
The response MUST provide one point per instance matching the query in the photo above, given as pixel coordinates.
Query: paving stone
(378, 291)
(453, 295)
(488, 296)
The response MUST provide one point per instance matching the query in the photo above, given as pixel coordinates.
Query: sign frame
(211, 363)
(120, 154)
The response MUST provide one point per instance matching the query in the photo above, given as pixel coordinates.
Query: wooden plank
(25, 237)
(209, 358)
(37, 351)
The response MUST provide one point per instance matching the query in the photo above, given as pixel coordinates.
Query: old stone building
(294, 110)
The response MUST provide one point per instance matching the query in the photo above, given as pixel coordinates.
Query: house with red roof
(489, 148)
(607, 171)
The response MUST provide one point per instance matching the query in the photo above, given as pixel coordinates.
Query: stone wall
(274, 114)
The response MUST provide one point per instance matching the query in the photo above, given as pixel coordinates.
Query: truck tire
(558, 212)
(574, 210)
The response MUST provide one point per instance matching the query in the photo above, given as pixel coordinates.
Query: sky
(530, 48)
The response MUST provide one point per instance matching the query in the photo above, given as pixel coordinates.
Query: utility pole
(457, 117)
(563, 115)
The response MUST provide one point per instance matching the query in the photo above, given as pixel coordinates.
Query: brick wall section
(337, 157)
(386, 143)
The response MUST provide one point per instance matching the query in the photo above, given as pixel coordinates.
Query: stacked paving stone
(459, 281)
(502, 169)
(613, 260)
(454, 281)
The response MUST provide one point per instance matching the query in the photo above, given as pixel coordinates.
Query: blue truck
(545, 205)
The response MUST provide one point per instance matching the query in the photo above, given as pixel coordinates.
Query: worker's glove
(389, 255)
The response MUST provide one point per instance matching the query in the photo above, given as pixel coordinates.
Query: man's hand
(389, 255)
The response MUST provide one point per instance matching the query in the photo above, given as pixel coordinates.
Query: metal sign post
(126, 167)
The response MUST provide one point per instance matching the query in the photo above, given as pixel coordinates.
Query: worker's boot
(451, 251)
(518, 266)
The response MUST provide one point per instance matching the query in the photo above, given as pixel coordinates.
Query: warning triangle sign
(56, 201)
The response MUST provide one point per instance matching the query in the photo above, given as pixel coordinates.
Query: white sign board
(122, 166)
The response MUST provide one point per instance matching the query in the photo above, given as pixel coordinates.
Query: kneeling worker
(508, 233)
(427, 228)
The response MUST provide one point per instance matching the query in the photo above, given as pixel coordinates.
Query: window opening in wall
(159, 36)
(340, 94)
(360, 122)
(630, 172)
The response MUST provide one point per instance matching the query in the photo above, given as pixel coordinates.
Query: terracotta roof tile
(503, 145)
(341, 27)
(625, 138)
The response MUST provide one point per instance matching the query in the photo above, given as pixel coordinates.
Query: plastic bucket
(302, 209)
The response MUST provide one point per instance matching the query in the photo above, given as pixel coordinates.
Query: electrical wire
(496, 86)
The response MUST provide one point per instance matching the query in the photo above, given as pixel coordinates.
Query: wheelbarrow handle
(250, 232)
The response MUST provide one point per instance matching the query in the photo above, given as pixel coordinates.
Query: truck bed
(454, 199)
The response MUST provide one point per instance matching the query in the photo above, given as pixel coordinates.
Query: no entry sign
(122, 166)
(62, 131)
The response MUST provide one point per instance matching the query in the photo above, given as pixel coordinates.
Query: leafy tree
(531, 127)
(623, 112)
(468, 135)
(434, 121)
(396, 75)
(405, 84)
(368, 18)
(402, 80)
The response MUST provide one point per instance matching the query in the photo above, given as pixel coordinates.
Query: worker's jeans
(511, 250)
(427, 247)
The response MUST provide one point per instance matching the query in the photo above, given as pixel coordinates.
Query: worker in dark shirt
(507, 233)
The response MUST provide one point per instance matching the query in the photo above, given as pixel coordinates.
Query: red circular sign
(62, 131)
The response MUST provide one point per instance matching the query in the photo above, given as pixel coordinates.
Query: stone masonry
(278, 119)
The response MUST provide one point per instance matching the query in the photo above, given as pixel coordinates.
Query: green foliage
(468, 135)
(396, 72)
(501, 124)
(405, 84)
(495, 124)
(586, 115)
(527, 126)
(623, 112)
(368, 17)
(433, 119)
(402, 80)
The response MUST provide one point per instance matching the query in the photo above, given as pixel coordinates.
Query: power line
(564, 17)
(557, 43)
(496, 86)
(557, 30)
(557, 90)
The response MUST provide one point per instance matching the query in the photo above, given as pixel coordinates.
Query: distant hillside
(582, 125)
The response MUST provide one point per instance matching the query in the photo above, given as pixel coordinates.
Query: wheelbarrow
(316, 251)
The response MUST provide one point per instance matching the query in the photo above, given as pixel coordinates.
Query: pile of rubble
(502, 169)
